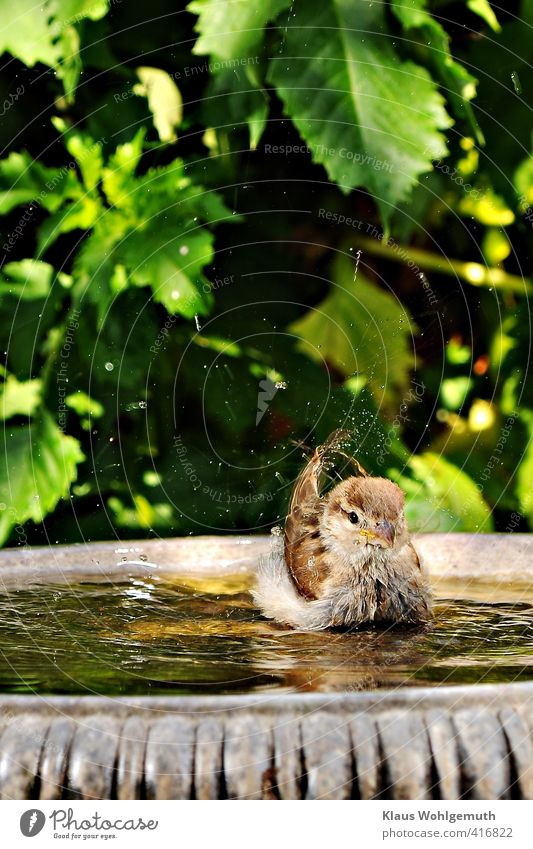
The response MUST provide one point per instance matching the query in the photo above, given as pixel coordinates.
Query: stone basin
(141, 670)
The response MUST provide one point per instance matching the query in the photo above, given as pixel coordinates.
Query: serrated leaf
(372, 120)
(172, 265)
(459, 85)
(37, 465)
(19, 398)
(232, 28)
(360, 329)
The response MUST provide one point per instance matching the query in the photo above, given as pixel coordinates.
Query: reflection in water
(160, 637)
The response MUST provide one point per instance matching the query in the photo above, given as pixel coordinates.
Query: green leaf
(360, 329)
(524, 490)
(84, 405)
(459, 86)
(23, 180)
(121, 166)
(172, 265)
(485, 11)
(454, 391)
(232, 28)
(77, 215)
(235, 97)
(37, 465)
(45, 32)
(19, 398)
(523, 180)
(88, 154)
(448, 491)
(369, 118)
(30, 279)
(164, 100)
(151, 237)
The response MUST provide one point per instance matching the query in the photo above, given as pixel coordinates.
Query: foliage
(230, 229)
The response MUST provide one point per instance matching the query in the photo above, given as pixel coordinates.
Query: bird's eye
(353, 517)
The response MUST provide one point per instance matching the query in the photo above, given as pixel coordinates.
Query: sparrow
(345, 558)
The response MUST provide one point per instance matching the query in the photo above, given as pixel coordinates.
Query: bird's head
(365, 512)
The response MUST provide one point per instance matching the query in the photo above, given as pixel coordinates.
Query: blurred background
(230, 228)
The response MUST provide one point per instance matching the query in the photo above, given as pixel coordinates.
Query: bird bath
(143, 670)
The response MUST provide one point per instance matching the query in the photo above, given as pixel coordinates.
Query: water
(153, 637)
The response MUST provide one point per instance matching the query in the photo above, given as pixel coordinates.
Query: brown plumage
(347, 558)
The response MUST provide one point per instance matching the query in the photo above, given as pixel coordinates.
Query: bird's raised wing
(303, 548)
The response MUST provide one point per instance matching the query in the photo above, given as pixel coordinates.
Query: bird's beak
(381, 534)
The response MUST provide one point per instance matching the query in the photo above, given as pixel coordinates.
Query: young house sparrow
(346, 557)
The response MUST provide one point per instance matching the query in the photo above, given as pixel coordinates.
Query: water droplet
(184, 250)
(143, 405)
(357, 258)
(109, 366)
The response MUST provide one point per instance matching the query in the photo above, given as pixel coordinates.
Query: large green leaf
(37, 465)
(369, 118)
(360, 329)
(231, 29)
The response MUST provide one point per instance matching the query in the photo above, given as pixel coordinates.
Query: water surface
(155, 637)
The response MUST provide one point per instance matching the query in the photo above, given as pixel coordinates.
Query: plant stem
(472, 272)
